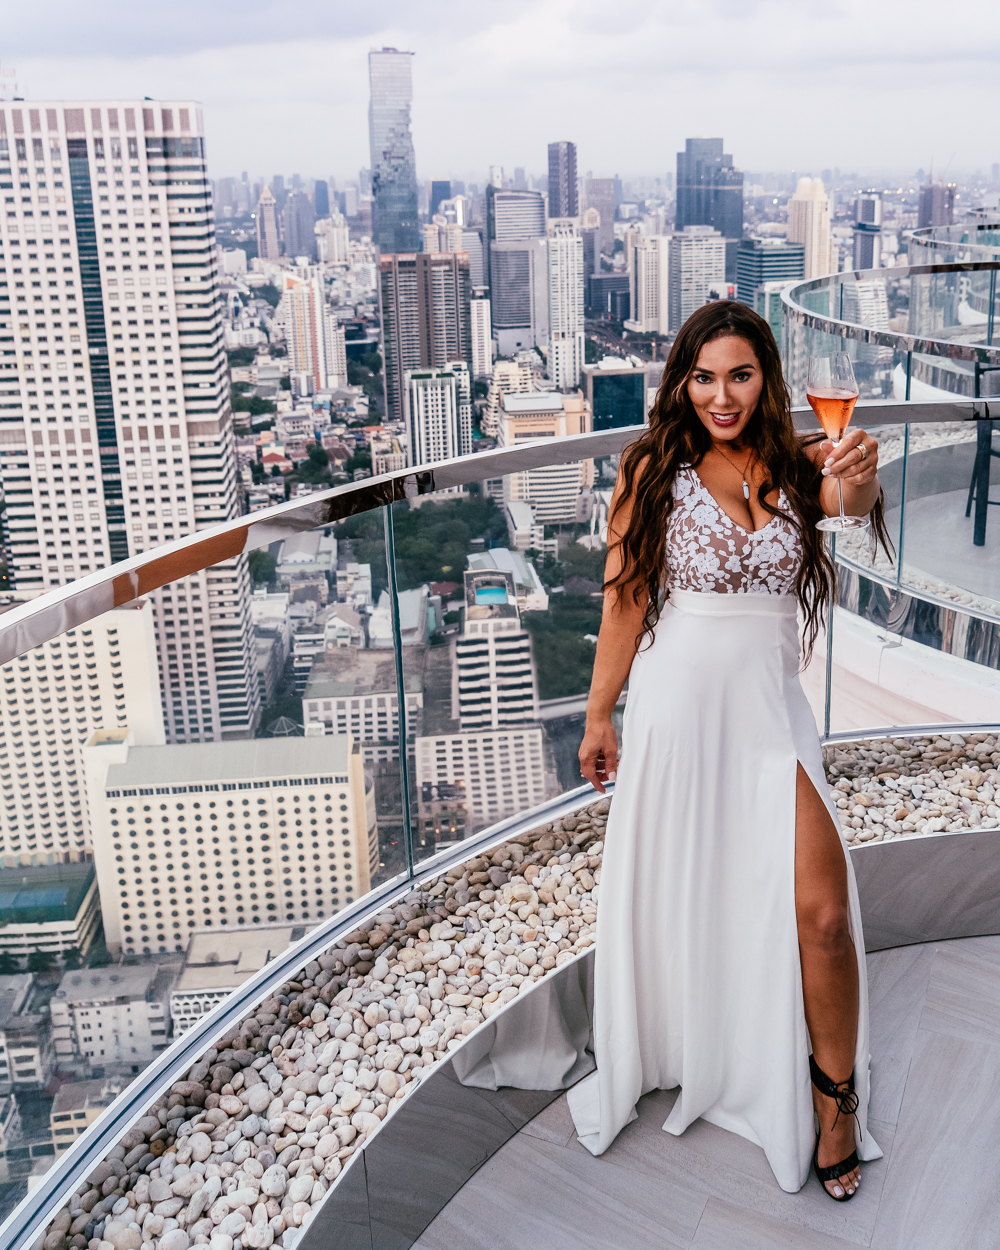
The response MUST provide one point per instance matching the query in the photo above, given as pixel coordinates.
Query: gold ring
(864, 451)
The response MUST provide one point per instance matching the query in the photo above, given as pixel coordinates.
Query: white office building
(809, 216)
(496, 685)
(115, 1015)
(438, 413)
(102, 675)
(566, 303)
(316, 345)
(117, 430)
(697, 271)
(500, 772)
(649, 284)
(553, 490)
(226, 834)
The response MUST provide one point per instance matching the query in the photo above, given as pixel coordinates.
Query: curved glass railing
(975, 239)
(421, 652)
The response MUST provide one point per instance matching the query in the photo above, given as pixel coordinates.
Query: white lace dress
(697, 980)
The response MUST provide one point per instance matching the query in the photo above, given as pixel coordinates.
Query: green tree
(275, 470)
(562, 654)
(71, 959)
(241, 356)
(317, 455)
(40, 961)
(256, 472)
(285, 383)
(269, 293)
(254, 404)
(372, 361)
(590, 352)
(8, 964)
(263, 566)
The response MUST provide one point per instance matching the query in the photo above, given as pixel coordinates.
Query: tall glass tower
(395, 227)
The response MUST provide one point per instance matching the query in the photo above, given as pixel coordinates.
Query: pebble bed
(240, 1152)
(906, 787)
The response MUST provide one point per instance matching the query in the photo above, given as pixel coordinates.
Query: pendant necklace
(742, 473)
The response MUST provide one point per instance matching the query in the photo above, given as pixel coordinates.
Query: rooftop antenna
(8, 83)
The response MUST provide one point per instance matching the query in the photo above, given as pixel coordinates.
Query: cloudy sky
(866, 85)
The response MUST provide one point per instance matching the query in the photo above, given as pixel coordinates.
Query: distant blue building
(395, 228)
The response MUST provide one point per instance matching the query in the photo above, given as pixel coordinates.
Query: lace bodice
(707, 551)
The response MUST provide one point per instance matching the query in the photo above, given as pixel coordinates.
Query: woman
(729, 940)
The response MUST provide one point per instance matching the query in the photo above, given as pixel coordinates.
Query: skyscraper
(425, 317)
(937, 205)
(394, 177)
(440, 190)
(566, 308)
(299, 220)
(868, 230)
(497, 686)
(600, 195)
(482, 336)
(268, 242)
(649, 272)
(564, 199)
(710, 193)
(515, 222)
(321, 198)
(316, 344)
(765, 260)
(141, 430)
(438, 413)
(697, 271)
(809, 224)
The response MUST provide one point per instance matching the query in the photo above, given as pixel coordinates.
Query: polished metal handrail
(48, 616)
(796, 312)
(44, 1201)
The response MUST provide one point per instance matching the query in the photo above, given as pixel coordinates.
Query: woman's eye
(702, 379)
(741, 377)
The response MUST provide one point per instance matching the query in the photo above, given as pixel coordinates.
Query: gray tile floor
(935, 1113)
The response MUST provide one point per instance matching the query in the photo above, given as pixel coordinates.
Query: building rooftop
(218, 960)
(117, 981)
(534, 401)
(348, 671)
(255, 759)
(45, 894)
(79, 1095)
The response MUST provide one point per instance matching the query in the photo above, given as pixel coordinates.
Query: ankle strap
(843, 1094)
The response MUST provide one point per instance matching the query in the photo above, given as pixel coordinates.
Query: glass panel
(855, 546)
(951, 535)
(500, 605)
(138, 841)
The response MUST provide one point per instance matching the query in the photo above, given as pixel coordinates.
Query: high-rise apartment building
(868, 230)
(552, 491)
(509, 377)
(809, 225)
(425, 301)
(481, 346)
(496, 682)
(937, 205)
(394, 175)
(226, 834)
(766, 260)
(648, 261)
(299, 221)
(566, 303)
(472, 243)
(119, 434)
(316, 344)
(102, 675)
(697, 271)
(710, 193)
(332, 238)
(564, 198)
(599, 194)
(268, 238)
(438, 413)
(440, 190)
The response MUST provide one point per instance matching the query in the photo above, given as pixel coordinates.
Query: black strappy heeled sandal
(847, 1103)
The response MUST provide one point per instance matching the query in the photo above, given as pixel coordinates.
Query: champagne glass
(832, 393)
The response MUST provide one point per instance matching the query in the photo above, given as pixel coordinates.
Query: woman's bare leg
(829, 966)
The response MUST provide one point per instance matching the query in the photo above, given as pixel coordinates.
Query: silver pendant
(746, 491)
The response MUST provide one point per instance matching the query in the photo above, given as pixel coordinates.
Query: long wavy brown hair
(676, 437)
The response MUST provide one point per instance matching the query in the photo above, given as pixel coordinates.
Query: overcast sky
(866, 85)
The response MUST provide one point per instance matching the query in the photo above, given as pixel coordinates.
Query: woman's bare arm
(621, 625)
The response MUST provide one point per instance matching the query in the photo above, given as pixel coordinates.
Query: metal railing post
(829, 641)
(397, 646)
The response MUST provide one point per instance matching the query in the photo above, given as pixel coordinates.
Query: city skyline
(550, 71)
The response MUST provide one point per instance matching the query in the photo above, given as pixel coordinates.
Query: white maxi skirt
(697, 978)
